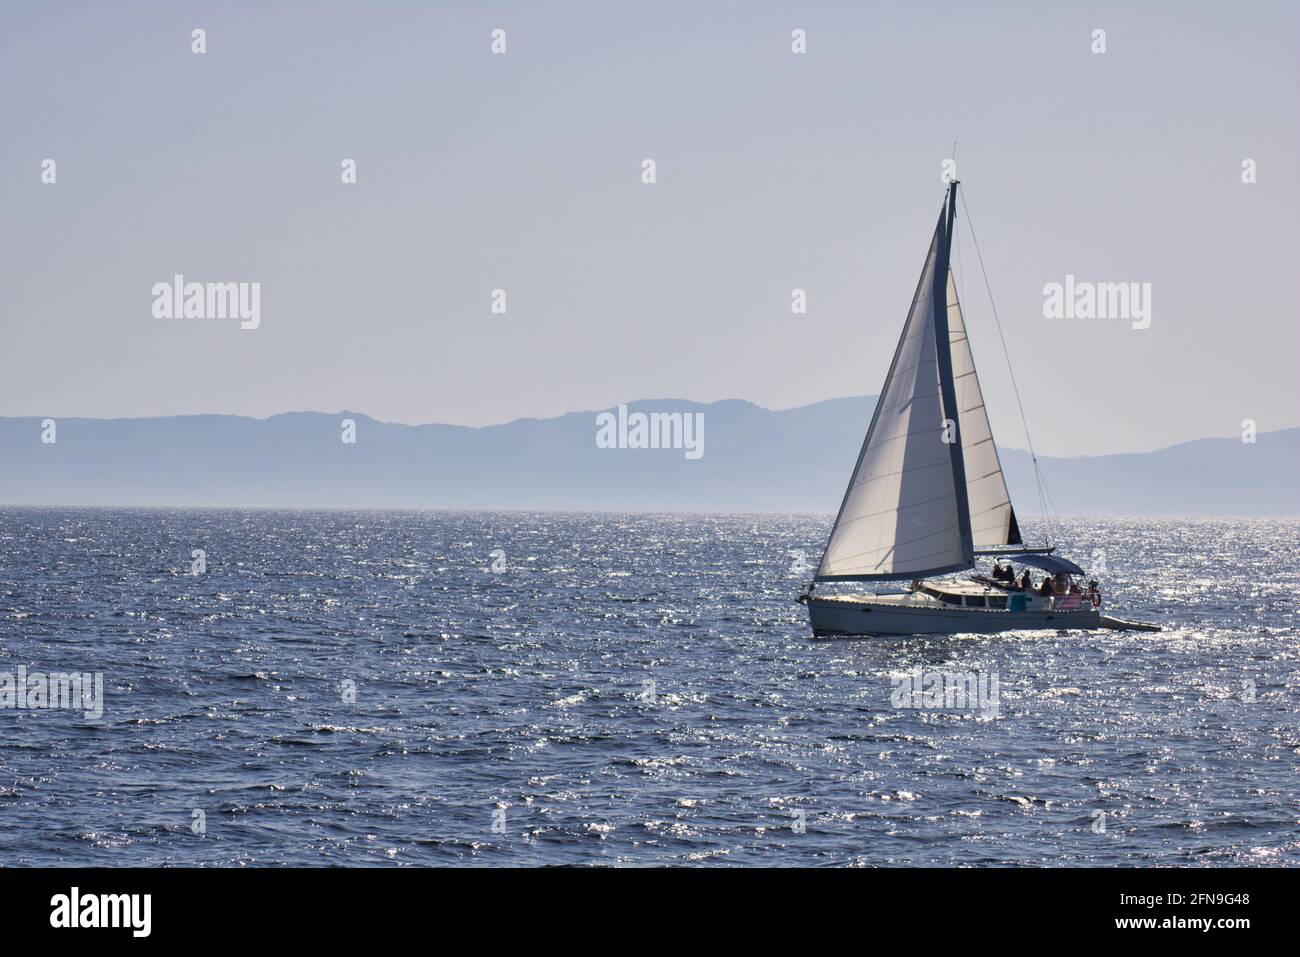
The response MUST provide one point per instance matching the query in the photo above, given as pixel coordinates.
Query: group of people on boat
(1058, 584)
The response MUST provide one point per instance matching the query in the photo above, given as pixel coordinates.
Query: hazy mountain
(754, 460)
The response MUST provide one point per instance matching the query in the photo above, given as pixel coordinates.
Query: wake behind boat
(927, 496)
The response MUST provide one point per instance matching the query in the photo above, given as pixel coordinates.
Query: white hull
(890, 615)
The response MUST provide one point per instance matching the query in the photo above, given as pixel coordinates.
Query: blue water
(627, 690)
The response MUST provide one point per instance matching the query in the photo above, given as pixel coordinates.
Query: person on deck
(1026, 581)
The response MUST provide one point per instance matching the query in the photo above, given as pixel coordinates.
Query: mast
(947, 389)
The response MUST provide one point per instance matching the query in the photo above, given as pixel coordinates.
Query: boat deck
(968, 594)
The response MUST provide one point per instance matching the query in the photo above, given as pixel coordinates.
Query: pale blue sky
(521, 171)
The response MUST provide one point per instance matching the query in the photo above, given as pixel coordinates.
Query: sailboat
(927, 497)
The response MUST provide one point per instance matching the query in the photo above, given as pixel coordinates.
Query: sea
(406, 689)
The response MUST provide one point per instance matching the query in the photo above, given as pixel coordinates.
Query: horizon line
(594, 411)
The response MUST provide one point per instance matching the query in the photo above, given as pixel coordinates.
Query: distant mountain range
(755, 459)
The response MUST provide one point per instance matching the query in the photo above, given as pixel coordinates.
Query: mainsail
(928, 487)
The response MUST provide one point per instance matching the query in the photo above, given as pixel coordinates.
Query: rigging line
(961, 271)
(1056, 515)
(1038, 475)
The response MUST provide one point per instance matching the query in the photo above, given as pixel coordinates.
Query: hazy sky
(522, 172)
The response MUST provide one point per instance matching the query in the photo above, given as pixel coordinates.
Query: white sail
(992, 519)
(903, 513)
